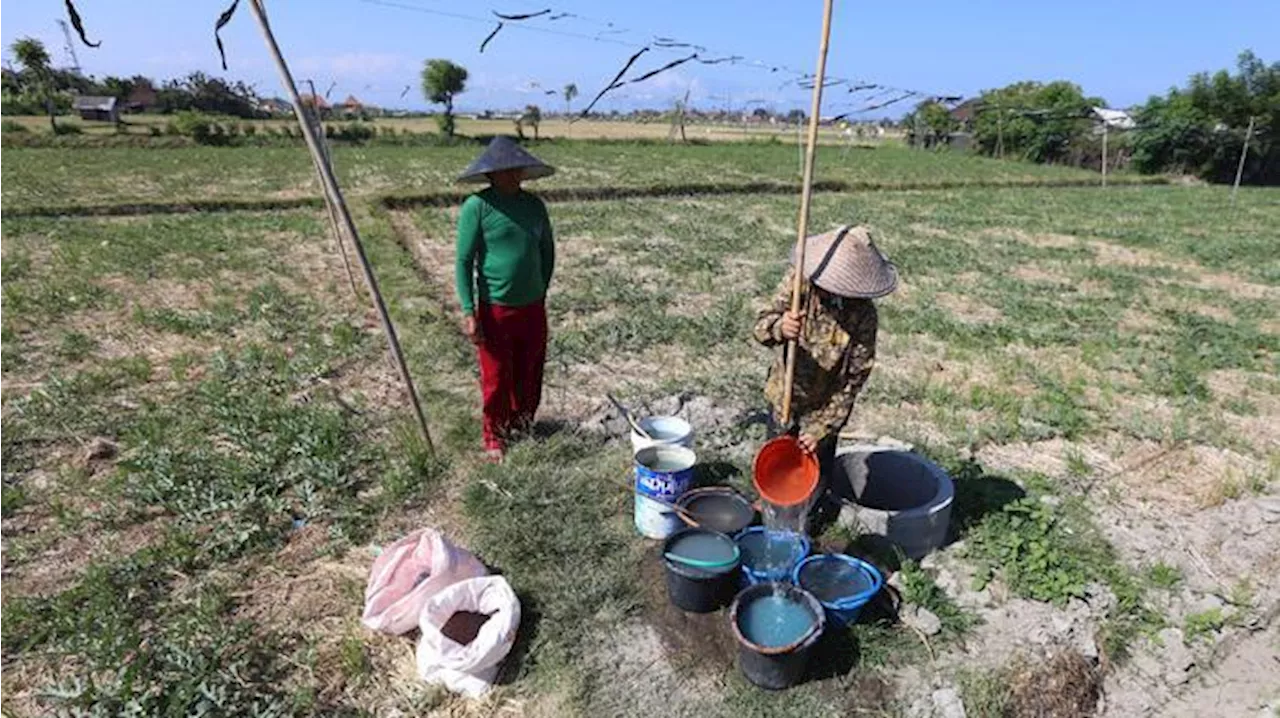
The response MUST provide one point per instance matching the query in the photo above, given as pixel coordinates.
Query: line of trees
(1198, 129)
(1201, 129)
(37, 88)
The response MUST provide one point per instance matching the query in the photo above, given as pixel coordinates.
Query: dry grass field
(204, 443)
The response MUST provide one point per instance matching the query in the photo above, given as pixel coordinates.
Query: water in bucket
(775, 620)
(771, 555)
(831, 581)
(704, 549)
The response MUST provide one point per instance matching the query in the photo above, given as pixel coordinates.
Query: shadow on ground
(978, 495)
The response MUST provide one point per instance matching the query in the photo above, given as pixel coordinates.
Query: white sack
(468, 669)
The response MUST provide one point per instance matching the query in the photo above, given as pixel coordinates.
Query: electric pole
(69, 47)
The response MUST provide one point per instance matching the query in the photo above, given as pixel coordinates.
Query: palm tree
(570, 92)
(441, 81)
(532, 116)
(34, 59)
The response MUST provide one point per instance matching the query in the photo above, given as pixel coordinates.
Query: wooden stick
(1244, 152)
(330, 185)
(806, 191)
(1105, 129)
(314, 119)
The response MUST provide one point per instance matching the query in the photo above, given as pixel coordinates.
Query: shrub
(198, 127)
(64, 128)
(355, 132)
(446, 124)
(13, 126)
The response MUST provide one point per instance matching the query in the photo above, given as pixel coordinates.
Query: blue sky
(1121, 50)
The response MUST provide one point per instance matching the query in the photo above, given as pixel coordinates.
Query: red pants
(513, 350)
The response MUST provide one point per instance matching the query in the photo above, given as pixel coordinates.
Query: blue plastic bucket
(842, 584)
(663, 474)
(765, 561)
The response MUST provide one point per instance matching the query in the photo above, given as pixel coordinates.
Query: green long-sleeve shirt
(505, 250)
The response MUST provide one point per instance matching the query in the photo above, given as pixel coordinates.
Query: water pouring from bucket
(786, 477)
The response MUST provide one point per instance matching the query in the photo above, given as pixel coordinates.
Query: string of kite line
(801, 80)
(659, 42)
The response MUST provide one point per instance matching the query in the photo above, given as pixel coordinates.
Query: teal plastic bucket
(842, 584)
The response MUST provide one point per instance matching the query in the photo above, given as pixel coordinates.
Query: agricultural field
(79, 180)
(552, 127)
(203, 440)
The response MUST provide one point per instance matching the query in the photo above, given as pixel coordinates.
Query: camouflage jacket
(837, 351)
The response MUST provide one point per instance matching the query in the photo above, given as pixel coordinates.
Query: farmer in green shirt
(505, 258)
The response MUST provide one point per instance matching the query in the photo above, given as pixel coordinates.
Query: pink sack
(408, 573)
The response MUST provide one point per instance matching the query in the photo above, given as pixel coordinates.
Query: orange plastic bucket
(785, 474)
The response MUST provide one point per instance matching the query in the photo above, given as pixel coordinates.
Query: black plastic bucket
(776, 664)
(699, 589)
(718, 508)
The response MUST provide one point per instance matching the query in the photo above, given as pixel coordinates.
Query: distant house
(95, 107)
(317, 104)
(1114, 119)
(966, 111)
(274, 107)
(351, 106)
(141, 98)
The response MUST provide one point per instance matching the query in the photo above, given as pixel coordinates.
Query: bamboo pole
(806, 192)
(313, 116)
(1244, 152)
(330, 185)
(1105, 130)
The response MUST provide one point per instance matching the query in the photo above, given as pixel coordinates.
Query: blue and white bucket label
(654, 518)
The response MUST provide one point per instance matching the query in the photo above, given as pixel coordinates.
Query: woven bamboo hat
(504, 154)
(846, 262)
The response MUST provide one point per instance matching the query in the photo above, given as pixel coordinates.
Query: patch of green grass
(355, 661)
(74, 404)
(919, 588)
(1047, 550)
(986, 693)
(1199, 626)
(274, 460)
(76, 346)
(553, 524)
(12, 498)
(141, 651)
(1163, 576)
(49, 298)
(224, 460)
(188, 322)
(1077, 466)
(103, 175)
(884, 645)
(1032, 551)
(1242, 593)
(1241, 406)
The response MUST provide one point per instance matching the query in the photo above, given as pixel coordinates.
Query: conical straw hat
(846, 262)
(504, 154)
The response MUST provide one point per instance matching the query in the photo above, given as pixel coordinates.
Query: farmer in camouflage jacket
(836, 329)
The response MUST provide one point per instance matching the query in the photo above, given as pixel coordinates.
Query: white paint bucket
(663, 431)
(663, 474)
